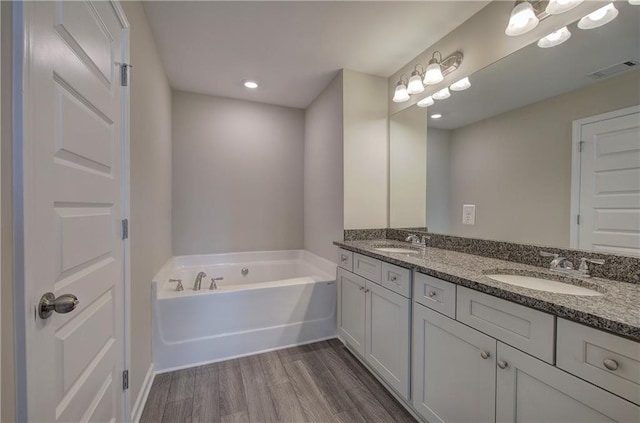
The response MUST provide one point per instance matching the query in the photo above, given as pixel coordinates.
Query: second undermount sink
(396, 250)
(541, 284)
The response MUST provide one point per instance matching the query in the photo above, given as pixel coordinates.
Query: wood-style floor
(320, 382)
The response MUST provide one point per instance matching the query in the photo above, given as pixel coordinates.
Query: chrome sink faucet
(563, 265)
(198, 283)
(418, 241)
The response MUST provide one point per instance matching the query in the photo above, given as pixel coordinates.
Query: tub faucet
(198, 282)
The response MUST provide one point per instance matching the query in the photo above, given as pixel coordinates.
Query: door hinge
(578, 219)
(580, 146)
(125, 228)
(124, 73)
(125, 380)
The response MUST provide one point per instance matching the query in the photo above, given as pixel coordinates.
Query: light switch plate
(469, 214)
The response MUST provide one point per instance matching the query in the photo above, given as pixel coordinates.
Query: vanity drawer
(529, 330)
(397, 279)
(586, 353)
(345, 259)
(367, 267)
(436, 294)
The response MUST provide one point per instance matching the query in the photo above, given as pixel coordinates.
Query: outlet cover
(469, 214)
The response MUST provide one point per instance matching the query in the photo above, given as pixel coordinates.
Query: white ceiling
(293, 49)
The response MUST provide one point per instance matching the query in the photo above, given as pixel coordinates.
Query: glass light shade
(426, 102)
(560, 6)
(433, 75)
(523, 19)
(555, 38)
(415, 85)
(442, 94)
(600, 17)
(460, 85)
(401, 94)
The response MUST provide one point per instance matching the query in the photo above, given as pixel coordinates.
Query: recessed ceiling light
(250, 84)
(436, 116)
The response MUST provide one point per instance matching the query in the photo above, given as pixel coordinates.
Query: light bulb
(460, 85)
(560, 6)
(600, 17)
(523, 19)
(415, 85)
(433, 75)
(555, 38)
(442, 94)
(426, 102)
(401, 94)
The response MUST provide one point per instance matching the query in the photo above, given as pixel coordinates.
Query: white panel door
(529, 390)
(387, 336)
(73, 190)
(351, 309)
(610, 185)
(454, 371)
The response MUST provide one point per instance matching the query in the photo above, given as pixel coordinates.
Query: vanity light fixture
(522, 20)
(600, 17)
(555, 38)
(460, 85)
(400, 95)
(434, 75)
(436, 116)
(442, 94)
(426, 102)
(250, 84)
(415, 85)
(560, 6)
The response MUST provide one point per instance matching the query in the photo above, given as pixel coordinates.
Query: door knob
(63, 304)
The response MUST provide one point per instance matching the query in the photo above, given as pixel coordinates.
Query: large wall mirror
(509, 145)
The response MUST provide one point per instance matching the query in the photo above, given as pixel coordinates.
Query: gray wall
(323, 161)
(516, 167)
(150, 138)
(438, 159)
(237, 175)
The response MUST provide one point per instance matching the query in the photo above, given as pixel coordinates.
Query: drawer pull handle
(485, 354)
(502, 364)
(432, 294)
(343, 258)
(610, 364)
(393, 278)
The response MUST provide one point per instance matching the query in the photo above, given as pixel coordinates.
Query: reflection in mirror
(509, 145)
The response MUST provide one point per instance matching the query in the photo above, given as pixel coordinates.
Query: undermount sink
(396, 250)
(541, 284)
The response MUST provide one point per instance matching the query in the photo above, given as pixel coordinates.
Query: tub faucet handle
(179, 286)
(214, 285)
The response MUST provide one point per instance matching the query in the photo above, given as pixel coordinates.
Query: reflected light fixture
(433, 74)
(522, 20)
(634, 2)
(555, 38)
(436, 116)
(460, 85)
(250, 84)
(415, 85)
(426, 102)
(400, 95)
(442, 94)
(600, 17)
(560, 6)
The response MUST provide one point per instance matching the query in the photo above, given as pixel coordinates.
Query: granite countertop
(617, 311)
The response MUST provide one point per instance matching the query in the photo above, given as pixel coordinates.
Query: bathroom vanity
(454, 345)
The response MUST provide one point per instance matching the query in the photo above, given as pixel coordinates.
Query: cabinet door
(351, 309)
(454, 370)
(387, 336)
(530, 390)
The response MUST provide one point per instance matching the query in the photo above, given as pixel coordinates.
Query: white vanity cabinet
(375, 322)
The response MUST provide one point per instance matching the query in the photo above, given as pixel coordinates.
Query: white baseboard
(138, 406)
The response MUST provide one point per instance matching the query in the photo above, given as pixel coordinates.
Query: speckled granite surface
(616, 267)
(617, 311)
(362, 234)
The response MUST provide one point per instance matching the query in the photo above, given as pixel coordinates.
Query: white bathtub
(287, 298)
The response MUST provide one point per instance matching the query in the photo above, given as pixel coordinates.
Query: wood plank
(368, 405)
(330, 388)
(351, 416)
(335, 343)
(251, 369)
(259, 403)
(272, 368)
(232, 396)
(313, 403)
(339, 368)
(206, 395)
(178, 411)
(182, 385)
(286, 402)
(240, 417)
(292, 354)
(157, 399)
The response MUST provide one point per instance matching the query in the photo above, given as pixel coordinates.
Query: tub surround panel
(614, 312)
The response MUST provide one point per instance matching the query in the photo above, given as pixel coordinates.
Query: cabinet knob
(485, 354)
(432, 294)
(343, 258)
(362, 288)
(393, 278)
(366, 290)
(502, 364)
(610, 364)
